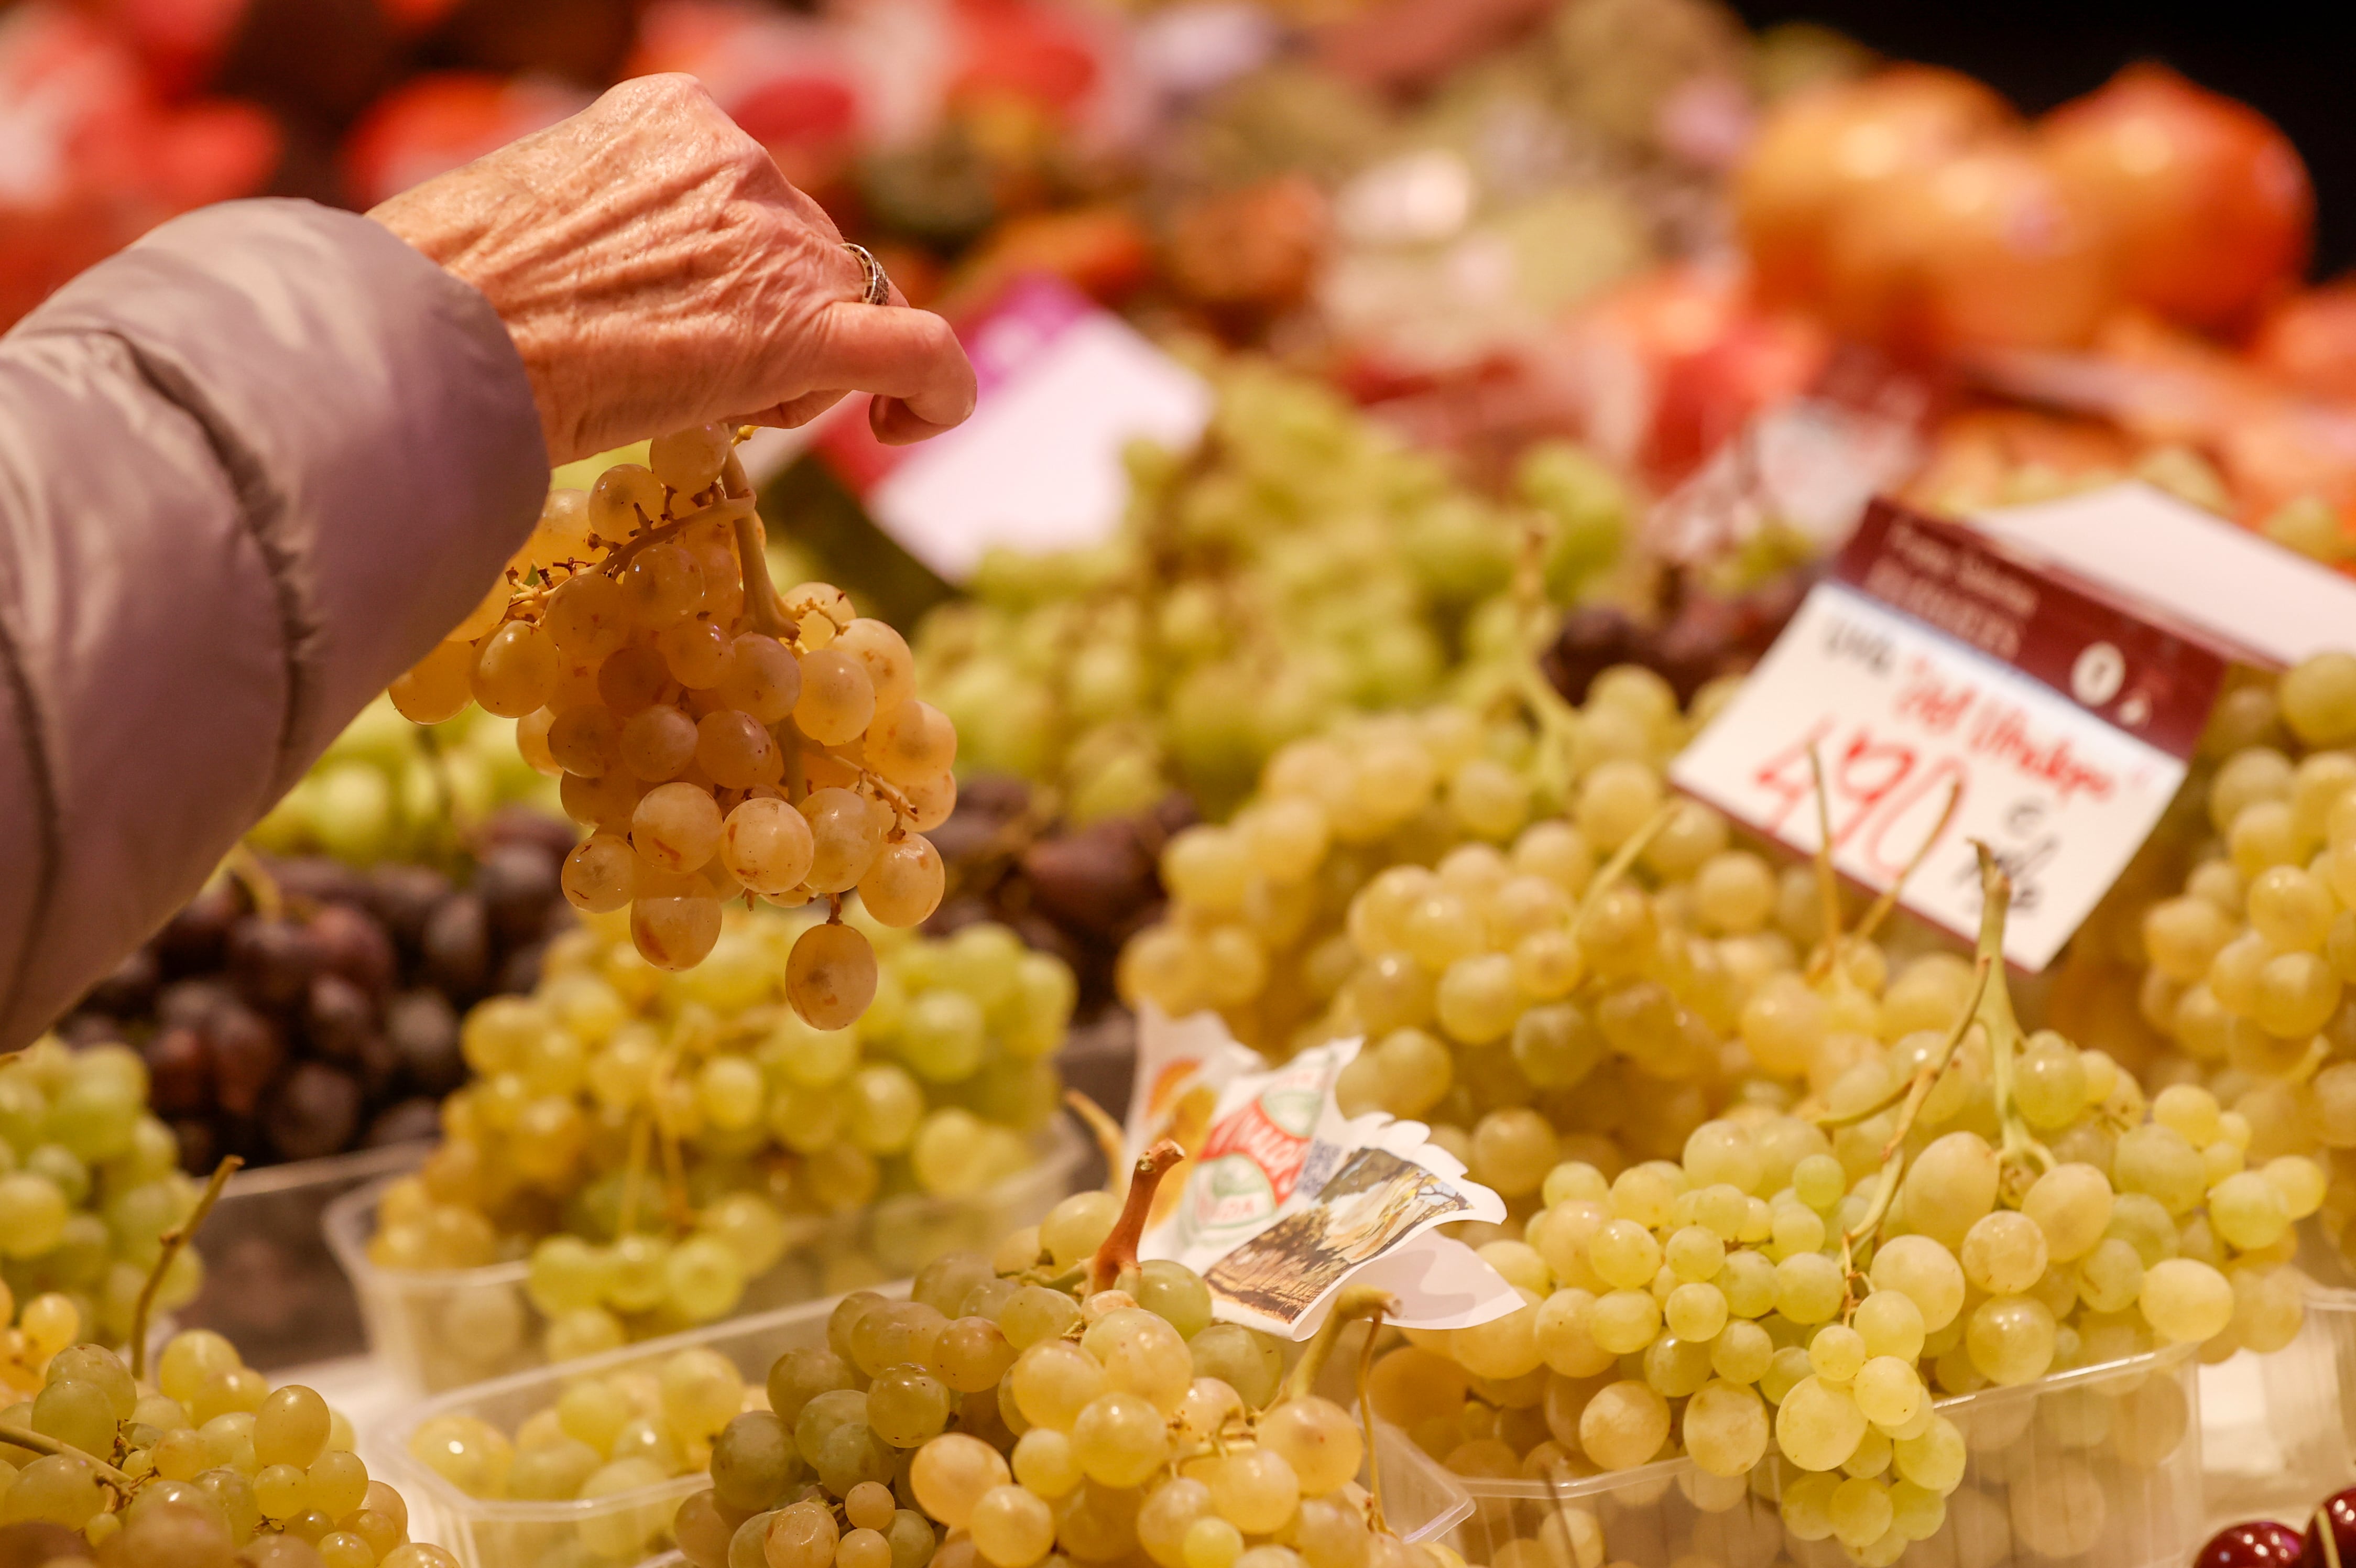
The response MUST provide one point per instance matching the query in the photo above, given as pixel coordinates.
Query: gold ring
(879, 283)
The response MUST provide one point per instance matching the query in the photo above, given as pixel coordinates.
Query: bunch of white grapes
(1299, 563)
(205, 1460)
(2247, 968)
(1547, 954)
(88, 1183)
(1963, 1209)
(654, 1142)
(1054, 1399)
(718, 739)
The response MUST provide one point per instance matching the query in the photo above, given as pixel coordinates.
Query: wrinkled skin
(655, 270)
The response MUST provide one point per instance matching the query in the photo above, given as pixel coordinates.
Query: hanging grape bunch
(719, 740)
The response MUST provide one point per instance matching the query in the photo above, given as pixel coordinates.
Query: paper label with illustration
(1182, 1064)
(1252, 1156)
(1931, 665)
(1288, 1200)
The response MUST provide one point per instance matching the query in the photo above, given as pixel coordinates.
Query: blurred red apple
(1825, 150)
(2206, 201)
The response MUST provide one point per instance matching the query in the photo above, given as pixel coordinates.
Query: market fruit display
(718, 738)
(300, 1008)
(90, 1184)
(1053, 1397)
(1915, 211)
(181, 1470)
(1297, 564)
(652, 1143)
(1977, 1208)
(390, 790)
(2241, 963)
(1077, 892)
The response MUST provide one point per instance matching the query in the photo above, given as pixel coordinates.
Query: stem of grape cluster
(245, 869)
(42, 1443)
(1118, 1254)
(1996, 1016)
(1615, 868)
(172, 1241)
(1911, 1100)
(1370, 1301)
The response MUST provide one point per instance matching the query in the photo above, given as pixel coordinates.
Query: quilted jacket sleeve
(250, 469)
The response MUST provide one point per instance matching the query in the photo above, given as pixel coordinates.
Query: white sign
(1065, 387)
(2238, 587)
(2059, 725)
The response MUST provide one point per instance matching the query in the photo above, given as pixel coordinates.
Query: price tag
(1931, 663)
(1065, 386)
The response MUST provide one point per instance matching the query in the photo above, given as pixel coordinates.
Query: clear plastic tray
(436, 1329)
(2278, 1432)
(1420, 1500)
(2098, 1467)
(271, 1283)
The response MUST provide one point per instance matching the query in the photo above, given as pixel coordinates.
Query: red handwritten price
(1883, 795)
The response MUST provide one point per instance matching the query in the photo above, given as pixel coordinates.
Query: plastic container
(1420, 1499)
(271, 1284)
(2098, 1467)
(447, 1328)
(2278, 1432)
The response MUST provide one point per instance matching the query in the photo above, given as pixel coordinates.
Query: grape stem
(1996, 1016)
(1893, 1149)
(1617, 867)
(172, 1241)
(1110, 1139)
(245, 869)
(43, 1443)
(1354, 1302)
(1927, 1075)
(1118, 1254)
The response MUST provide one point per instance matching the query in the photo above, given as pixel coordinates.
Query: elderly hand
(655, 270)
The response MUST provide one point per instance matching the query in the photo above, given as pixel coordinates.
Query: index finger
(908, 358)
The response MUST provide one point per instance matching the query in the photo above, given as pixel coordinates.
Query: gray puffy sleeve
(250, 469)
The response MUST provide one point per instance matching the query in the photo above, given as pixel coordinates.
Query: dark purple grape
(313, 1113)
(194, 1002)
(410, 1120)
(457, 948)
(318, 879)
(338, 1018)
(521, 826)
(1095, 879)
(520, 972)
(999, 795)
(516, 883)
(130, 989)
(355, 945)
(423, 1030)
(272, 962)
(83, 1030)
(2339, 1508)
(201, 1145)
(247, 1052)
(378, 1062)
(2260, 1544)
(196, 939)
(179, 1072)
(1593, 638)
(405, 897)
